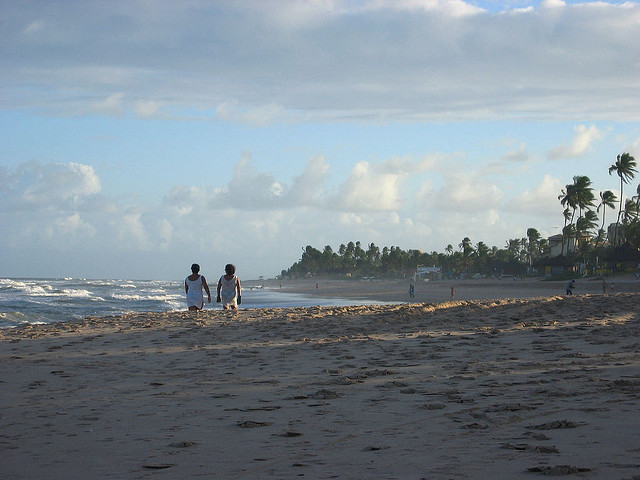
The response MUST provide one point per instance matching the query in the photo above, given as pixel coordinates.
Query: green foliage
(625, 167)
(588, 232)
(394, 262)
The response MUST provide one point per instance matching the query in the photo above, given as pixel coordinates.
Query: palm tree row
(352, 259)
(581, 223)
(578, 198)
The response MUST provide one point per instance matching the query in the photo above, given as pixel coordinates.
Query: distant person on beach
(570, 286)
(411, 290)
(229, 289)
(193, 286)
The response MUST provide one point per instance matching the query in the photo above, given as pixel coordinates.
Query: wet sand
(500, 389)
(440, 290)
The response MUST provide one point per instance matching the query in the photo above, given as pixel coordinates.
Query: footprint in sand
(557, 424)
(558, 470)
(252, 424)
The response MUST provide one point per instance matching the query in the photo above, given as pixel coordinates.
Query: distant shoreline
(440, 290)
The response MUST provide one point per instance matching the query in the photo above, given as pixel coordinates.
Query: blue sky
(140, 136)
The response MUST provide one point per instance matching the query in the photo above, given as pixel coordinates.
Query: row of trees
(584, 230)
(395, 262)
(582, 225)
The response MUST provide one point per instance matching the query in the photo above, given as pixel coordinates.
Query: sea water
(31, 300)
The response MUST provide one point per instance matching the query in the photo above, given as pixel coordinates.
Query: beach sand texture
(500, 389)
(440, 290)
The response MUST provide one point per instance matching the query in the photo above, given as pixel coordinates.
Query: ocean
(34, 300)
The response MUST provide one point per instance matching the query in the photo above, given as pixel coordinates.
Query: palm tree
(467, 251)
(328, 258)
(626, 168)
(373, 253)
(482, 255)
(533, 237)
(567, 215)
(576, 196)
(585, 198)
(584, 192)
(569, 231)
(465, 244)
(586, 223)
(358, 253)
(631, 222)
(607, 199)
(568, 199)
(632, 229)
(348, 255)
(513, 247)
(543, 246)
(482, 249)
(630, 212)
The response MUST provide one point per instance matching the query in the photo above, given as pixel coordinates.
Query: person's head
(230, 269)
(195, 268)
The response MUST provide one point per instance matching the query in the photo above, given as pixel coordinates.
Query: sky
(140, 136)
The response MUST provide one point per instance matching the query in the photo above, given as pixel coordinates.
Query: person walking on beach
(570, 286)
(229, 289)
(193, 286)
(411, 290)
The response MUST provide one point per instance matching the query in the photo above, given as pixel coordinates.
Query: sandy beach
(440, 290)
(503, 388)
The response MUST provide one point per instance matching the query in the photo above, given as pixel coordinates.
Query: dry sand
(485, 389)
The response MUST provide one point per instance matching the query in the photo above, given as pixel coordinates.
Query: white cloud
(132, 232)
(250, 188)
(183, 199)
(165, 232)
(519, 155)
(47, 186)
(34, 27)
(582, 142)
(455, 8)
(73, 225)
(147, 108)
(272, 61)
(468, 192)
(553, 4)
(305, 189)
(379, 186)
(539, 201)
(260, 115)
(113, 104)
(370, 187)
(451, 227)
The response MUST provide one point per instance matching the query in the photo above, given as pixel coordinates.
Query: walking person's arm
(206, 289)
